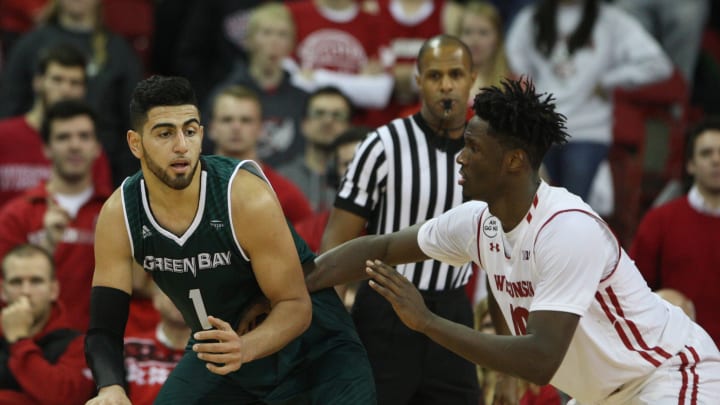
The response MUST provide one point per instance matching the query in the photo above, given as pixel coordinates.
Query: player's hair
(65, 109)
(443, 40)
(64, 54)
(518, 117)
(238, 92)
(29, 250)
(156, 91)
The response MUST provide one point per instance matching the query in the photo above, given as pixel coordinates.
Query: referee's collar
(438, 141)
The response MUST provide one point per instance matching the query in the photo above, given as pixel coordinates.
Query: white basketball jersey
(563, 257)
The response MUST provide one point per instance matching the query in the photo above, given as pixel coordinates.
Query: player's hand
(224, 353)
(254, 314)
(401, 293)
(110, 395)
(17, 319)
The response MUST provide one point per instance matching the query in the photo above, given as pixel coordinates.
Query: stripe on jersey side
(616, 316)
(688, 375)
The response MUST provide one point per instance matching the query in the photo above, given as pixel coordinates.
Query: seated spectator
(480, 27)
(113, 69)
(235, 127)
(328, 113)
(16, 18)
(677, 25)
(580, 51)
(23, 164)
(269, 40)
(60, 214)
(343, 149)
(336, 48)
(676, 245)
(404, 26)
(150, 356)
(209, 41)
(42, 360)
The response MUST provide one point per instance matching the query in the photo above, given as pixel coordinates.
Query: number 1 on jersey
(200, 308)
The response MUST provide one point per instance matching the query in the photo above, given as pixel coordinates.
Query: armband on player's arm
(109, 308)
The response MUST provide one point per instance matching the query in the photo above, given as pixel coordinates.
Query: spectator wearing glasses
(327, 115)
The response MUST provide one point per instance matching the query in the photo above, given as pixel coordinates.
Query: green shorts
(325, 365)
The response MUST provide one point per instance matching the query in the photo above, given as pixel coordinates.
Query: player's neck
(513, 206)
(173, 209)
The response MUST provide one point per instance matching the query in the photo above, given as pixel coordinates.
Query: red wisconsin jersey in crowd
(148, 361)
(21, 221)
(326, 44)
(23, 164)
(404, 35)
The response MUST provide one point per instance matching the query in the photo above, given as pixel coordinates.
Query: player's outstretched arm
(534, 357)
(346, 263)
(109, 304)
(263, 233)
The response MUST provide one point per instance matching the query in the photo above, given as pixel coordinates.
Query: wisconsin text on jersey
(203, 261)
(514, 288)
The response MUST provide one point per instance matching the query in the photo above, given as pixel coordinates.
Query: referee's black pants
(408, 367)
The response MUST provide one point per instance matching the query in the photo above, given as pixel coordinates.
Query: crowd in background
(296, 86)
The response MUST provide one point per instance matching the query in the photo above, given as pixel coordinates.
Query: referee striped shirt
(403, 174)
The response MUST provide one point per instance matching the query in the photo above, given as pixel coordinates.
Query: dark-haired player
(580, 314)
(211, 233)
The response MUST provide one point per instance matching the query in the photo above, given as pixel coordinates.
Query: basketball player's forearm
(345, 263)
(286, 321)
(519, 356)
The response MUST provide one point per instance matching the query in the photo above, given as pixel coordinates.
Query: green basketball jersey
(204, 271)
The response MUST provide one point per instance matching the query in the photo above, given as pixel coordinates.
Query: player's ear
(516, 160)
(134, 141)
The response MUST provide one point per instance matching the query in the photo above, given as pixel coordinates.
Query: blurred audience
(23, 164)
(676, 245)
(328, 113)
(113, 69)
(210, 39)
(60, 214)
(343, 149)
(403, 26)
(151, 355)
(677, 25)
(480, 27)
(269, 40)
(336, 47)
(235, 127)
(580, 50)
(41, 355)
(16, 18)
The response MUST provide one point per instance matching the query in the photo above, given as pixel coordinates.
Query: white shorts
(690, 377)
